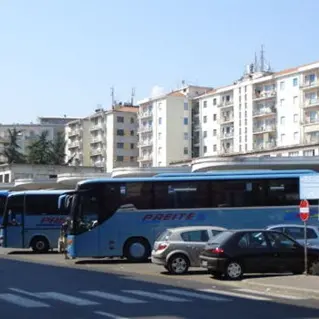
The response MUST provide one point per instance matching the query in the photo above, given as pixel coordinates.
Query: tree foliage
(11, 150)
(44, 151)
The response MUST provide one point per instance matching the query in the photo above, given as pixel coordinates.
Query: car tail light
(217, 250)
(161, 247)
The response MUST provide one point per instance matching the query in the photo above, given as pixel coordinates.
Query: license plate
(204, 263)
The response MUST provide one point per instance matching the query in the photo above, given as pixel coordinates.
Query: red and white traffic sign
(304, 210)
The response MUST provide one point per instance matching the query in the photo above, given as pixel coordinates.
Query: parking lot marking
(109, 315)
(156, 296)
(114, 297)
(22, 301)
(68, 299)
(234, 294)
(270, 294)
(195, 295)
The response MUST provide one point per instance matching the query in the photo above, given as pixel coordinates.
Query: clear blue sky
(62, 56)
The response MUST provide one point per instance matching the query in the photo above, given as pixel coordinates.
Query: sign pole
(306, 250)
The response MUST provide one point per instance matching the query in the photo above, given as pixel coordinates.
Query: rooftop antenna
(256, 66)
(132, 96)
(112, 96)
(262, 59)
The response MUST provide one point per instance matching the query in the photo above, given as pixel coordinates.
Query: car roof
(188, 228)
(291, 225)
(250, 230)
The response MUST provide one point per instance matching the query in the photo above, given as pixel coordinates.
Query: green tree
(11, 149)
(58, 150)
(40, 151)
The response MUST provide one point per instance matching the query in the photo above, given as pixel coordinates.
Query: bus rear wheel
(40, 245)
(137, 249)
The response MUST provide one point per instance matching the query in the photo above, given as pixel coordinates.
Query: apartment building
(77, 146)
(106, 139)
(28, 133)
(165, 127)
(263, 111)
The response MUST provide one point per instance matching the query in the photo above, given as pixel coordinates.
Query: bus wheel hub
(137, 250)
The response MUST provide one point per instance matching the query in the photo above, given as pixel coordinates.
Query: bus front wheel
(40, 244)
(137, 249)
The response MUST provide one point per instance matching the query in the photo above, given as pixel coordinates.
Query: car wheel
(178, 264)
(234, 270)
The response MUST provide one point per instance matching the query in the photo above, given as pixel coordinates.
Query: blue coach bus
(132, 212)
(3, 198)
(32, 219)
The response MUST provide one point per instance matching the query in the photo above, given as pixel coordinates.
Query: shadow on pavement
(30, 252)
(100, 261)
(189, 273)
(20, 275)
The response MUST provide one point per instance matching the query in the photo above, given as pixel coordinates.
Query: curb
(312, 292)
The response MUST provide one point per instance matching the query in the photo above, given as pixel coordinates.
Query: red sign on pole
(304, 210)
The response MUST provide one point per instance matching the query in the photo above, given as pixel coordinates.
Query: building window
(296, 118)
(309, 153)
(185, 106)
(296, 136)
(132, 146)
(295, 99)
(295, 82)
(120, 119)
(120, 132)
(215, 117)
(205, 119)
(132, 133)
(159, 120)
(120, 145)
(132, 120)
(214, 132)
(185, 151)
(282, 120)
(282, 101)
(205, 149)
(132, 159)
(205, 104)
(159, 136)
(185, 121)
(214, 101)
(293, 154)
(282, 85)
(246, 122)
(205, 134)
(215, 148)
(119, 158)
(185, 136)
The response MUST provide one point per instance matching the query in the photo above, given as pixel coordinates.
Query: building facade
(165, 127)
(262, 112)
(105, 139)
(28, 133)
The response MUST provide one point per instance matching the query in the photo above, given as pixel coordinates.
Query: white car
(297, 233)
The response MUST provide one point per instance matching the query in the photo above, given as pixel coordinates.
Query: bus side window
(137, 194)
(42, 204)
(15, 208)
(283, 192)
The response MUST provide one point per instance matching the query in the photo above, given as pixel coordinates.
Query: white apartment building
(106, 139)
(77, 146)
(165, 127)
(28, 133)
(262, 112)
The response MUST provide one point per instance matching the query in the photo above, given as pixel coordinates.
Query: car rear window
(164, 236)
(221, 237)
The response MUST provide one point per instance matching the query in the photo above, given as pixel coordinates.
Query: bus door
(13, 233)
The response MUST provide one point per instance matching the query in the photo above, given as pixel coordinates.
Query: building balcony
(226, 104)
(263, 95)
(144, 129)
(145, 143)
(145, 114)
(97, 139)
(311, 103)
(311, 138)
(266, 111)
(264, 129)
(227, 118)
(311, 120)
(260, 146)
(97, 127)
(146, 157)
(74, 132)
(228, 135)
(226, 150)
(96, 152)
(309, 85)
(75, 144)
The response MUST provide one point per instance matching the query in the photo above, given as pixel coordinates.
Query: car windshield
(219, 238)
